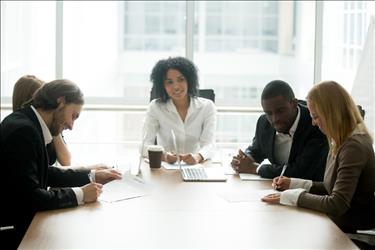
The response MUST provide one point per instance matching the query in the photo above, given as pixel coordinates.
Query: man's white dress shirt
(283, 142)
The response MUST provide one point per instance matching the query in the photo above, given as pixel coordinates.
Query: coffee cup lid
(157, 148)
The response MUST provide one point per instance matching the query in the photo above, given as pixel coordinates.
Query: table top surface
(179, 214)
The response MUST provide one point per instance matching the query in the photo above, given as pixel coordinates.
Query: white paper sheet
(245, 196)
(228, 170)
(128, 187)
(252, 177)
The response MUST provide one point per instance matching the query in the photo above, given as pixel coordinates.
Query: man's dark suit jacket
(308, 154)
(26, 175)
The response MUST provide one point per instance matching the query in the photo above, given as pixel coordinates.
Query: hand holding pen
(281, 183)
(91, 191)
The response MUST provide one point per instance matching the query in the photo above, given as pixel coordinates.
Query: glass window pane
(246, 44)
(345, 31)
(27, 42)
(111, 58)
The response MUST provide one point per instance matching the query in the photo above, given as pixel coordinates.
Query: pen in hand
(90, 177)
(283, 171)
(276, 186)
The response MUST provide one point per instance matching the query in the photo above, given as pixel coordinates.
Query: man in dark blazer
(286, 137)
(28, 183)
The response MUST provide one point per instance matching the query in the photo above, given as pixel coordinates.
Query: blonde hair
(24, 90)
(337, 111)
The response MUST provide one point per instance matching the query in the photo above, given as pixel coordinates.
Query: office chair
(205, 93)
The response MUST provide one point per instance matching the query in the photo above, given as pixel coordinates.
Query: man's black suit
(307, 156)
(26, 175)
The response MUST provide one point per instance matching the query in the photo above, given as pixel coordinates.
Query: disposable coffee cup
(155, 153)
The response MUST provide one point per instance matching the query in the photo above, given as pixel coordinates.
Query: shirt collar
(46, 133)
(358, 130)
(195, 103)
(293, 128)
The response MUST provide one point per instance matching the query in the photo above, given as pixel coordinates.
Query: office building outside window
(110, 47)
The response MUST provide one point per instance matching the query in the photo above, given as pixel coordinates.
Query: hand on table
(272, 198)
(243, 163)
(103, 176)
(191, 159)
(169, 157)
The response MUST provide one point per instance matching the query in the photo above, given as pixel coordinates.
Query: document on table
(228, 170)
(216, 158)
(245, 196)
(252, 177)
(128, 187)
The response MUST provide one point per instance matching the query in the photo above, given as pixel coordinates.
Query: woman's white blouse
(195, 135)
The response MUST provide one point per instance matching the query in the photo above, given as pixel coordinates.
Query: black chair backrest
(205, 93)
(362, 111)
(302, 102)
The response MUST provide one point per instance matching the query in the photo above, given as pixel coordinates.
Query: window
(110, 47)
(345, 30)
(244, 45)
(27, 42)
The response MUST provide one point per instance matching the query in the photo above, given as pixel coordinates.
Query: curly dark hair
(182, 64)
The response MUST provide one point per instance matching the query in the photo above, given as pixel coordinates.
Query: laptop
(199, 173)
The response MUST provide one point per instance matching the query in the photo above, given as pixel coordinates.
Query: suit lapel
(270, 142)
(300, 129)
(43, 167)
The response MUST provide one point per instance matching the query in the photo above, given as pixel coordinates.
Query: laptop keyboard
(194, 173)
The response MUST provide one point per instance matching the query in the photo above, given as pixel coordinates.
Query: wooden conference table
(181, 214)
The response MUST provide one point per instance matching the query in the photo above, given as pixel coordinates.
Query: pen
(90, 178)
(281, 175)
(283, 171)
(6, 228)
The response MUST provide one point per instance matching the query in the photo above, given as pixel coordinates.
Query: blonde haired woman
(347, 192)
(23, 92)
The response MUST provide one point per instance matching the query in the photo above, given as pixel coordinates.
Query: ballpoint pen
(283, 170)
(281, 175)
(6, 228)
(90, 177)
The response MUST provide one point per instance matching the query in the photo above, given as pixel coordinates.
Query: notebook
(197, 173)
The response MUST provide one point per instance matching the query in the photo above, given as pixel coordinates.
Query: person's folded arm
(28, 173)
(62, 151)
(351, 159)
